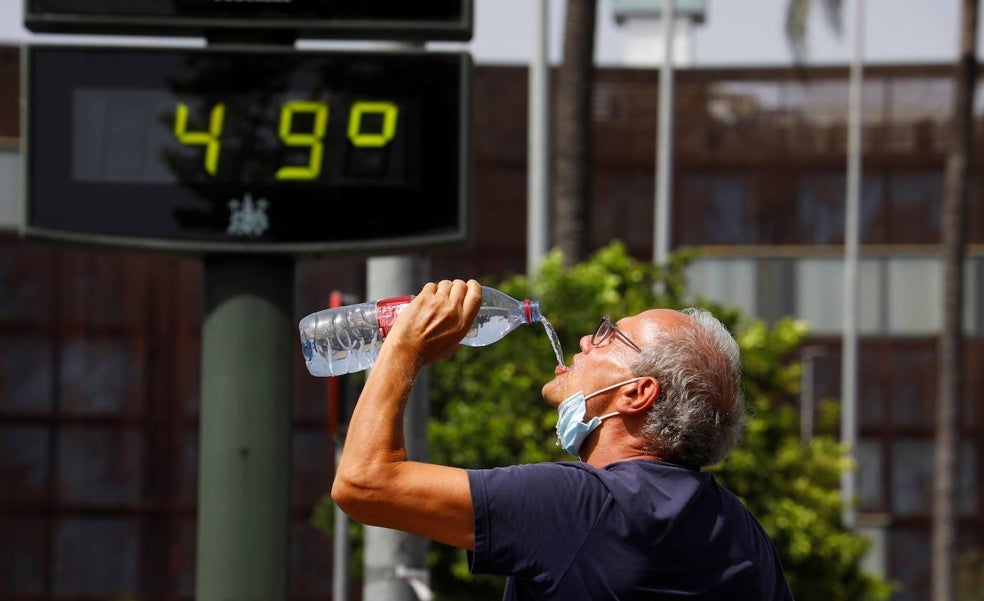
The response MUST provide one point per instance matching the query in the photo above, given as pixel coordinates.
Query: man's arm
(375, 483)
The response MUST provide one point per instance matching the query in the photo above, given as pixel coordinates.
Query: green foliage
(487, 411)
(970, 575)
(792, 487)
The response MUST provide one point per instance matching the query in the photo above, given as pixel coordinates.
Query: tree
(956, 187)
(797, 17)
(572, 145)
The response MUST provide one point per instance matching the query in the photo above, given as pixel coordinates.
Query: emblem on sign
(248, 218)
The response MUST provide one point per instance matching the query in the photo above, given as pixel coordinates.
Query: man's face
(598, 366)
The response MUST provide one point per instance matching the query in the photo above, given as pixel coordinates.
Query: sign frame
(93, 20)
(460, 237)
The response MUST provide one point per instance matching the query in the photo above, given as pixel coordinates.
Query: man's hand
(437, 319)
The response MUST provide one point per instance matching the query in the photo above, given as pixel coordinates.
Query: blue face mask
(571, 429)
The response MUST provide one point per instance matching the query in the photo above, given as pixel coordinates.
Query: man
(645, 404)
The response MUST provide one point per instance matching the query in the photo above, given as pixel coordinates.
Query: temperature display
(151, 136)
(287, 150)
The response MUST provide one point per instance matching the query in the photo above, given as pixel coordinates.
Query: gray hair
(700, 413)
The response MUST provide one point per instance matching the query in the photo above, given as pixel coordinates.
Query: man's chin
(548, 394)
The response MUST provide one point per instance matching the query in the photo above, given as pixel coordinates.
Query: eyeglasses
(606, 329)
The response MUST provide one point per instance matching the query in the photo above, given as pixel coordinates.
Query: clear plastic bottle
(347, 339)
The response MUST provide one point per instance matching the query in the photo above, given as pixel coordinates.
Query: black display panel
(355, 19)
(207, 150)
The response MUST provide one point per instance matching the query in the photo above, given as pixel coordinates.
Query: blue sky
(736, 32)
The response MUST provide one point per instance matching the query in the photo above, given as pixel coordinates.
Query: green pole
(245, 433)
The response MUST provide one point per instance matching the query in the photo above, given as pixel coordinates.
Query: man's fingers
(458, 291)
(472, 301)
(459, 296)
(444, 287)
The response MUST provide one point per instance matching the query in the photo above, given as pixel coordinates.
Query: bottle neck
(532, 310)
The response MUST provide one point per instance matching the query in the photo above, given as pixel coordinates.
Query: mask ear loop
(612, 387)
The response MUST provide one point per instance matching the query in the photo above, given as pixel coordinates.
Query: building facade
(100, 359)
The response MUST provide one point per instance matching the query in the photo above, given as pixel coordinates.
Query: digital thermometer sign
(282, 151)
(354, 19)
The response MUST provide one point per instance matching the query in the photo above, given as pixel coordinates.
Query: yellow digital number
(313, 139)
(389, 112)
(209, 139)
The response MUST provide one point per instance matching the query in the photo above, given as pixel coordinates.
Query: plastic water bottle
(347, 339)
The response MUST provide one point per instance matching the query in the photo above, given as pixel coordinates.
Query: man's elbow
(344, 493)
(354, 496)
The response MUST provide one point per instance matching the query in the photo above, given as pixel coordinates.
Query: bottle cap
(531, 310)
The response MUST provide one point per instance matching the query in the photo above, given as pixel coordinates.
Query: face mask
(571, 429)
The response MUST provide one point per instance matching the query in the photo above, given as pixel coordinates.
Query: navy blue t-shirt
(633, 530)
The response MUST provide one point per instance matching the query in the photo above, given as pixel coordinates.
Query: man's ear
(640, 397)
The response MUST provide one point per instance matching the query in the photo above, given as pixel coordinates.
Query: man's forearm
(374, 444)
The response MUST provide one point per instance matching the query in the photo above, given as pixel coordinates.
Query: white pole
(387, 552)
(849, 365)
(664, 145)
(341, 545)
(538, 159)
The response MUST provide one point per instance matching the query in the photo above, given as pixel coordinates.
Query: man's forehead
(663, 319)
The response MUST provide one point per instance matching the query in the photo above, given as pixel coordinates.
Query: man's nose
(585, 343)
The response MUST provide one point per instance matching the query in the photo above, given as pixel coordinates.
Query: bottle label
(387, 310)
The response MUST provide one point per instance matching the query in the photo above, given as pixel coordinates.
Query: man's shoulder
(619, 478)
(667, 474)
(547, 478)
(535, 470)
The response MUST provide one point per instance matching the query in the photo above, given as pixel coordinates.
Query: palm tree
(572, 144)
(956, 187)
(797, 16)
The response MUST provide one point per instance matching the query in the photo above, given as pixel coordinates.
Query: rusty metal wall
(99, 379)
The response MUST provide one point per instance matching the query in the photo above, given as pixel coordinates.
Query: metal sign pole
(538, 163)
(245, 432)
(664, 143)
(849, 353)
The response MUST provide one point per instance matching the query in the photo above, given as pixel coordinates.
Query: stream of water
(554, 340)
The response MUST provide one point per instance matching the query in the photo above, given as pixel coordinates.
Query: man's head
(698, 414)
